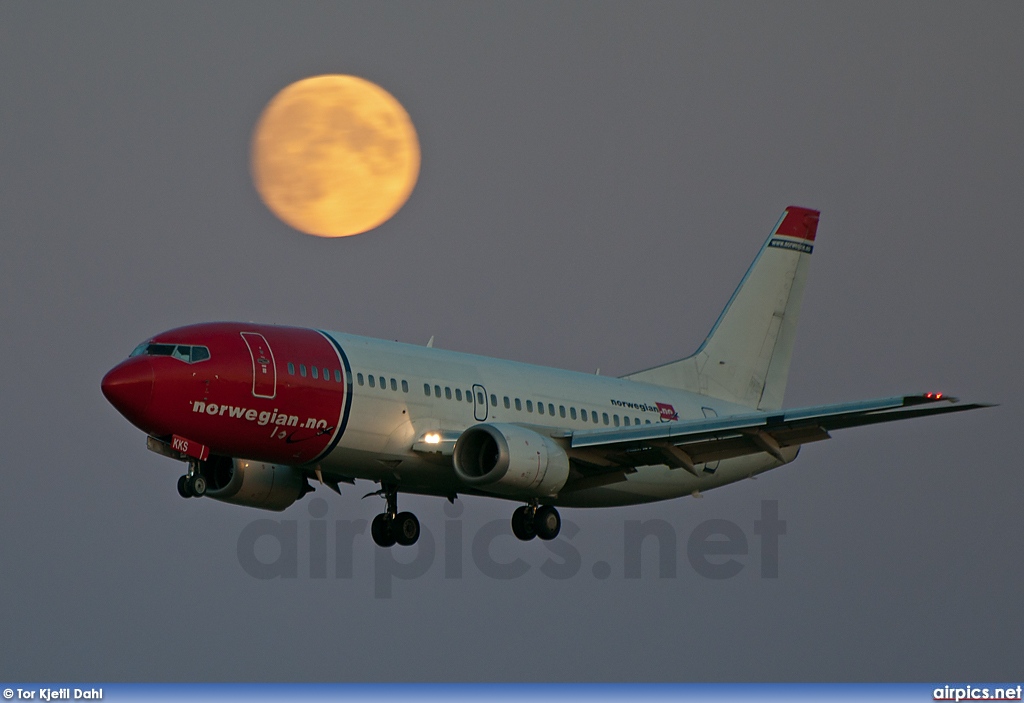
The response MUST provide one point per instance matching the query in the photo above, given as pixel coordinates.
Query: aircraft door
(264, 371)
(479, 402)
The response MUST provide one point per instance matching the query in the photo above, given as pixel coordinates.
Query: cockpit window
(148, 349)
(188, 353)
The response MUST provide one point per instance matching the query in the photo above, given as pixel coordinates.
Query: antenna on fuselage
(430, 342)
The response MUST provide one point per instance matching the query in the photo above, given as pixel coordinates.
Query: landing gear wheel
(522, 523)
(406, 529)
(197, 484)
(183, 488)
(392, 527)
(382, 532)
(546, 522)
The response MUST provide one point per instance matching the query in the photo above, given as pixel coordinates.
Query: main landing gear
(193, 483)
(531, 521)
(392, 527)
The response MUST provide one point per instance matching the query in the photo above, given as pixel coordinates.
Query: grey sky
(596, 177)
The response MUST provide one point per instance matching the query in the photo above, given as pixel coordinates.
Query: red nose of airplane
(129, 387)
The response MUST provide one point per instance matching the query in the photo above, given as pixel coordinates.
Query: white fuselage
(448, 392)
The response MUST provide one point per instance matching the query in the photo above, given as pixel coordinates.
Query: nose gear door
(264, 371)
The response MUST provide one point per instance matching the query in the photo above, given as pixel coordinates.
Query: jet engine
(253, 483)
(511, 461)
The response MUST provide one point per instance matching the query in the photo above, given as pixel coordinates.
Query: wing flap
(690, 443)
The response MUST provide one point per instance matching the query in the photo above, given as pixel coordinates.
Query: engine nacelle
(253, 483)
(511, 461)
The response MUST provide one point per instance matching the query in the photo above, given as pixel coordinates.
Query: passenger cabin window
(529, 406)
(561, 411)
(615, 420)
(426, 389)
(469, 396)
(625, 421)
(437, 391)
(337, 375)
(593, 416)
(383, 383)
(372, 382)
(327, 374)
(583, 414)
(480, 398)
(540, 408)
(519, 406)
(302, 370)
(507, 404)
(551, 409)
(604, 417)
(447, 392)
(291, 369)
(572, 413)
(458, 394)
(394, 385)
(405, 386)
(315, 372)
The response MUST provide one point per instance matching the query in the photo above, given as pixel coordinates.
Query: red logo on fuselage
(668, 413)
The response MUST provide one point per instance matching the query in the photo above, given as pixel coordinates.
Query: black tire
(522, 525)
(183, 490)
(197, 484)
(547, 523)
(406, 529)
(382, 532)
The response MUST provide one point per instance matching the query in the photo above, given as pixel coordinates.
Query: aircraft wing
(688, 443)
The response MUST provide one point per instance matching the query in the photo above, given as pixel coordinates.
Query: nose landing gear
(392, 527)
(193, 483)
(529, 521)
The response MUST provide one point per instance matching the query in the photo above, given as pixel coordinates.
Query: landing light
(432, 438)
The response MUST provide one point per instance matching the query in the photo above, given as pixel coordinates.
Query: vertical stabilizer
(745, 358)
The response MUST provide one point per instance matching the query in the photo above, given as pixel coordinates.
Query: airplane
(256, 411)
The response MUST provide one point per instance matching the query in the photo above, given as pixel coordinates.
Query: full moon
(334, 155)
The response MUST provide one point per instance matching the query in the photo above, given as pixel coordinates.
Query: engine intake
(510, 460)
(253, 483)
